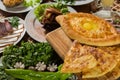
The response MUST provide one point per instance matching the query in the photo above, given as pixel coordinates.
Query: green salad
(39, 11)
(29, 54)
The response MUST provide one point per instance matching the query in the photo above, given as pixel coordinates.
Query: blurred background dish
(16, 9)
(34, 27)
(12, 3)
(79, 2)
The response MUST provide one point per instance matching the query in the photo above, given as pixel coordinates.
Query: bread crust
(112, 37)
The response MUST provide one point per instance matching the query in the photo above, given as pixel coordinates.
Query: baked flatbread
(112, 75)
(113, 50)
(78, 60)
(91, 61)
(115, 73)
(89, 29)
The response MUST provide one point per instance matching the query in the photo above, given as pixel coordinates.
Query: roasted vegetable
(34, 75)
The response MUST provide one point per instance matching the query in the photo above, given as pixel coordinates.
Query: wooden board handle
(59, 41)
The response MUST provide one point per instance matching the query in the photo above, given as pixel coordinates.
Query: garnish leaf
(14, 21)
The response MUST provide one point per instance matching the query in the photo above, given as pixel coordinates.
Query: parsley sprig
(14, 21)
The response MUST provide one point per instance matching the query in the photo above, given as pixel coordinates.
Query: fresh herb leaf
(29, 54)
(14, 21)
(3, 75)
(117, 21)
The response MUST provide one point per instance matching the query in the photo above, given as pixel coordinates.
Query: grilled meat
(49, 21)
(5, 28)
(8, 26)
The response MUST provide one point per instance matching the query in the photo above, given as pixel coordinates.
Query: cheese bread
(89, 29)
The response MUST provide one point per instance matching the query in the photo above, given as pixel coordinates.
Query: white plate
(80, 2)
(14, 37)
(17, 9)
(34, 27)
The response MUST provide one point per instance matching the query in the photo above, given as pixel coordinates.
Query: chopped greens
(14, 21)
(39, 11)
(3, 75)
(28, 54)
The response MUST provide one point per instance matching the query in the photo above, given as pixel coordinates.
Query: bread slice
(91, 61)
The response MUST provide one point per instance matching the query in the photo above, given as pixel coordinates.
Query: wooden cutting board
(59, 41)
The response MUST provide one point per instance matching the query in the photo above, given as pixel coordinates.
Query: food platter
(18, 9)
(14, 37)
(23, 61)
(34, 27)
(80, 2)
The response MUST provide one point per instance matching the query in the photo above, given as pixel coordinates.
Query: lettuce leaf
(39, 10)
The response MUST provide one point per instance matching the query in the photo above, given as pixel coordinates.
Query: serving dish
(34, 27)
(14, 37)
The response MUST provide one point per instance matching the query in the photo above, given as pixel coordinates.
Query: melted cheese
(86, 24)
